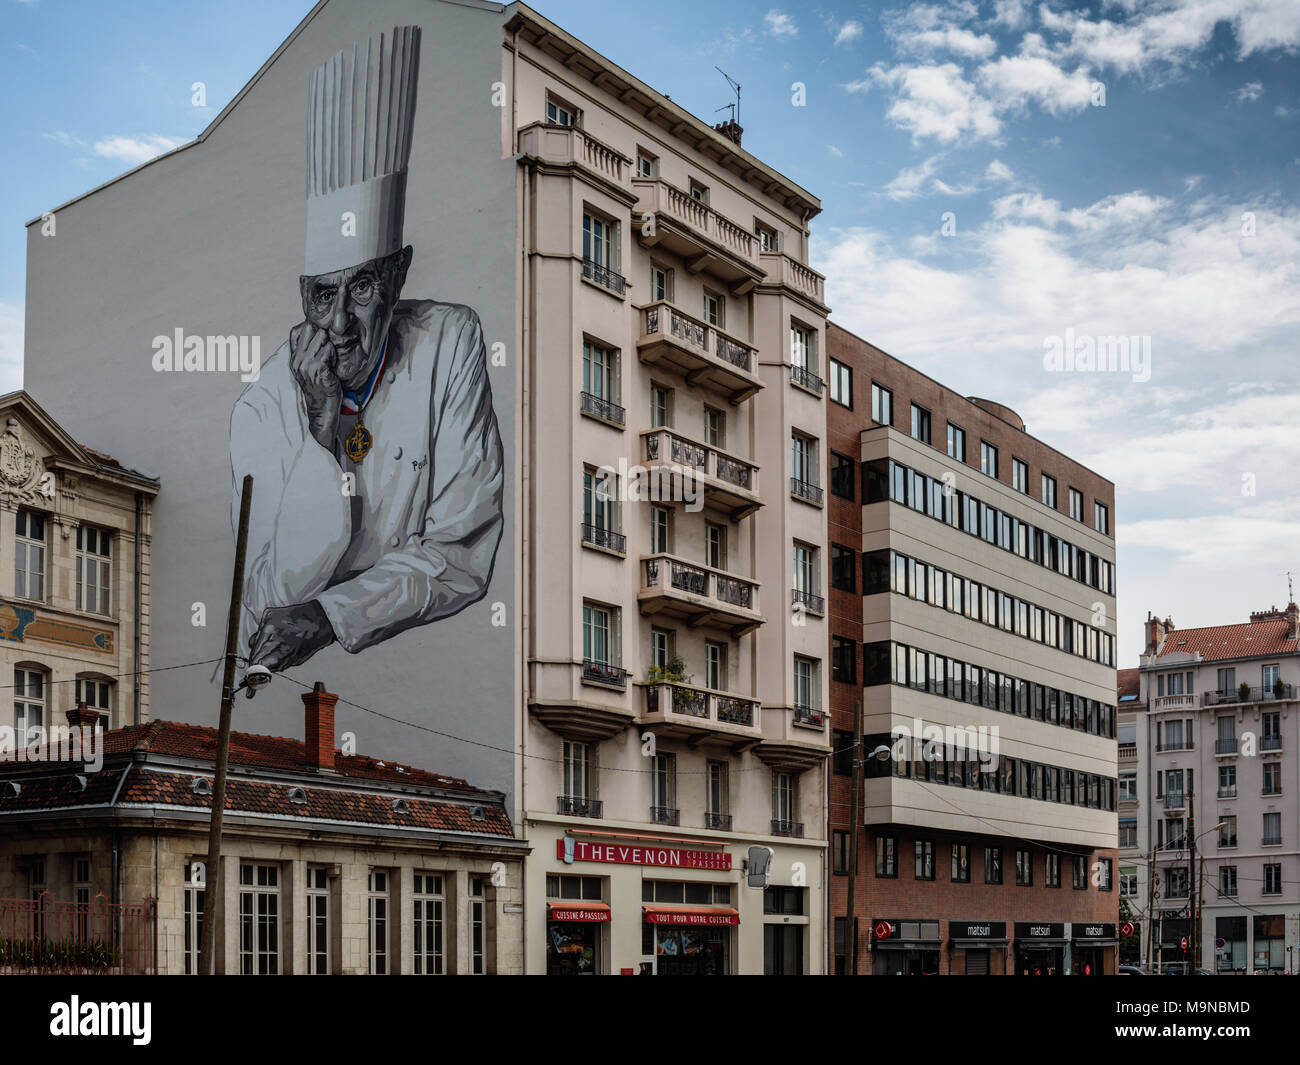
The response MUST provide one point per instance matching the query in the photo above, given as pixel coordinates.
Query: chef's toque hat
(360, 113)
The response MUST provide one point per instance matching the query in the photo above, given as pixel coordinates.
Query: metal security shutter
(977, 963)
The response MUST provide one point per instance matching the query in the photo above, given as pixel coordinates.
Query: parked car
(1130, 970)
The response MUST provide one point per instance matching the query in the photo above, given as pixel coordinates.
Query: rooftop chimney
(732, 130)
(1271, 614)
(82, 715)
(318, 752)
(1293, 621)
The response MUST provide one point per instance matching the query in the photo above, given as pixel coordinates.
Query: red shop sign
(621, 854)
(575, 914)
(698, 917)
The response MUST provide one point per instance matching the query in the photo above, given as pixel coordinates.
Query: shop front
(1092, 949)
(573, 938)
(688, 940)
(1040, 948)
(905, 948)
(977, 948)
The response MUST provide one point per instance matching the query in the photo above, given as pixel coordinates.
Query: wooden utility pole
(850, 920)
(1151, 904)
(212, 872)
(1191, 874)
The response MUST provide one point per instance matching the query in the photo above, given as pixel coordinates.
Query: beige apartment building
(74, 578)
(673, 721)
(1134, 819)
(1222, 744)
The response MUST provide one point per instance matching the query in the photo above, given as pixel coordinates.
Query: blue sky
(1119, 167)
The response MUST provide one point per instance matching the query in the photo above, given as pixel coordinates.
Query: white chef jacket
(418, 538)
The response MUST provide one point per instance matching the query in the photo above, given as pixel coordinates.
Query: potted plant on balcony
(1243, 692)
(1279, 689)
(674, 672)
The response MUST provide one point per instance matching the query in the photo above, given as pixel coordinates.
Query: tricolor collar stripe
(353, 405)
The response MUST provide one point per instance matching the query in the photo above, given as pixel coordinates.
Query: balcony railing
(1270, 743)
(701, 703)
(782, 827)
(606, 538)
(569, 144)
(807, 715)
(578, 806)
(805, 378)
(603, 673)
(1225, 746)
(603, 409)
(1175, 745)
(698, 220)
(718, 822)
(700, 593)
(1175, 800)
(602, 275)
(794, 274)
(665, 815)
(1228, 793)
(1228, 842)
(814, 603)
(1253, 695)
(806, 490)
(1173, 702)
(728, 478)
(1270, 841)
(715, 359)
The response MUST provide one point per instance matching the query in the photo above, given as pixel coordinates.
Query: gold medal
(359, 442)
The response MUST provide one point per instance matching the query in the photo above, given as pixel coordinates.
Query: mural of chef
(370, 434)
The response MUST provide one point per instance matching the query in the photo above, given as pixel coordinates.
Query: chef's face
(355, 306)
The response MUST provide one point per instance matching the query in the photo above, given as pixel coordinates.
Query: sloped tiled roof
(1253, 639)
(1127, 684)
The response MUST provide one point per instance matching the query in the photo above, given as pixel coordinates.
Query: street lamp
(881, 753)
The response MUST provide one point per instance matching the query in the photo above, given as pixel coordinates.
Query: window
(1227, 782)
(259, 919)
(1272, 829)
(1106, 871)
(1268, 677)
(193, 906)
(29, 705)
(882, 404)
(844, 660)
(647, 164)
(715, 666)
(1128, 883)
(842, 476)
(841, 384)
(578, 777)
(1228, 881)
(429, 924)
(661, 648)
(840, 852)
(599, 241)
(715, 309)
(924, 869)
(992, 865)
(477, 926)
(600, 376)
(956, 442)
(1020, 475)
(1272, 778)
(988, 459)
(1128, 832)
(842, 753)
(719, 794)
(1049, 491)
(1227, 834)
(803, 459)
(699, 193)
(663, 782)
(661, 284)
(768, 238)
(844, 568)
(805, 683)
(1080, 877)
(805, 570)
(661, 406)
(715, 545)
(94, 555)
(1128, 786)
(886, 856)
(600, 510)
(600, 634)
(1272, 879)
(29, 555)
(783, 797)
(1227, 681)
(559, 113)
(1076, 504)
(1052, 869)
(803, 348)
(961, 863)
(1101, 517)
(660, 525)
(715, 427)
(920, 424)
(318, 920)
(1024, 868)
(377, 921)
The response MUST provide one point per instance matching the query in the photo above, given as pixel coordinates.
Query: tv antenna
(735, 113)
(1290, 595)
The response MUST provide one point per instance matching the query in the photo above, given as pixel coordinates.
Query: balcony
(1270, 743)
(794, 275)
(603, 673)
(699, 594)
(1226, 746)
(708, 241)
(701, 353)
(577, 806)
(1253, 695)
(682, 710)
(718, 822)
(1270, 841)
(1174, 702)
(665, 815)
(570, 147)
(603, 410)
(605, 539)
(809, 717)
(1228, 793)
(1127, 752)
(603, 276)
(807, 380)
(1175, 801)
(806, 490)
(1175, 745)
(813, 604)
(782, 827)
(727, 482)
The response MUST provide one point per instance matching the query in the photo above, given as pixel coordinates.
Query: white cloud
(780, 25)
(1013, 81)
(999, 172)
(1250, 92)
(925, 29)
(1010, 13)
(11, 347)
(68, 140)
(849, 32)
(137, 150)
(835, 152)
(933, 101)
(910, 181)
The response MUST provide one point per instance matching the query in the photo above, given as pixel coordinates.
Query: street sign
(1183, 943)
(1219, 944)
(882, 929)
(1126, 929)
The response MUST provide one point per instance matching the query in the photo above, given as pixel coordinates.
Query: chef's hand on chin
(289, 635)
(312, 360)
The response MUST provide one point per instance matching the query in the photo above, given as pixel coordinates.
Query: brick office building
(972, 588)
